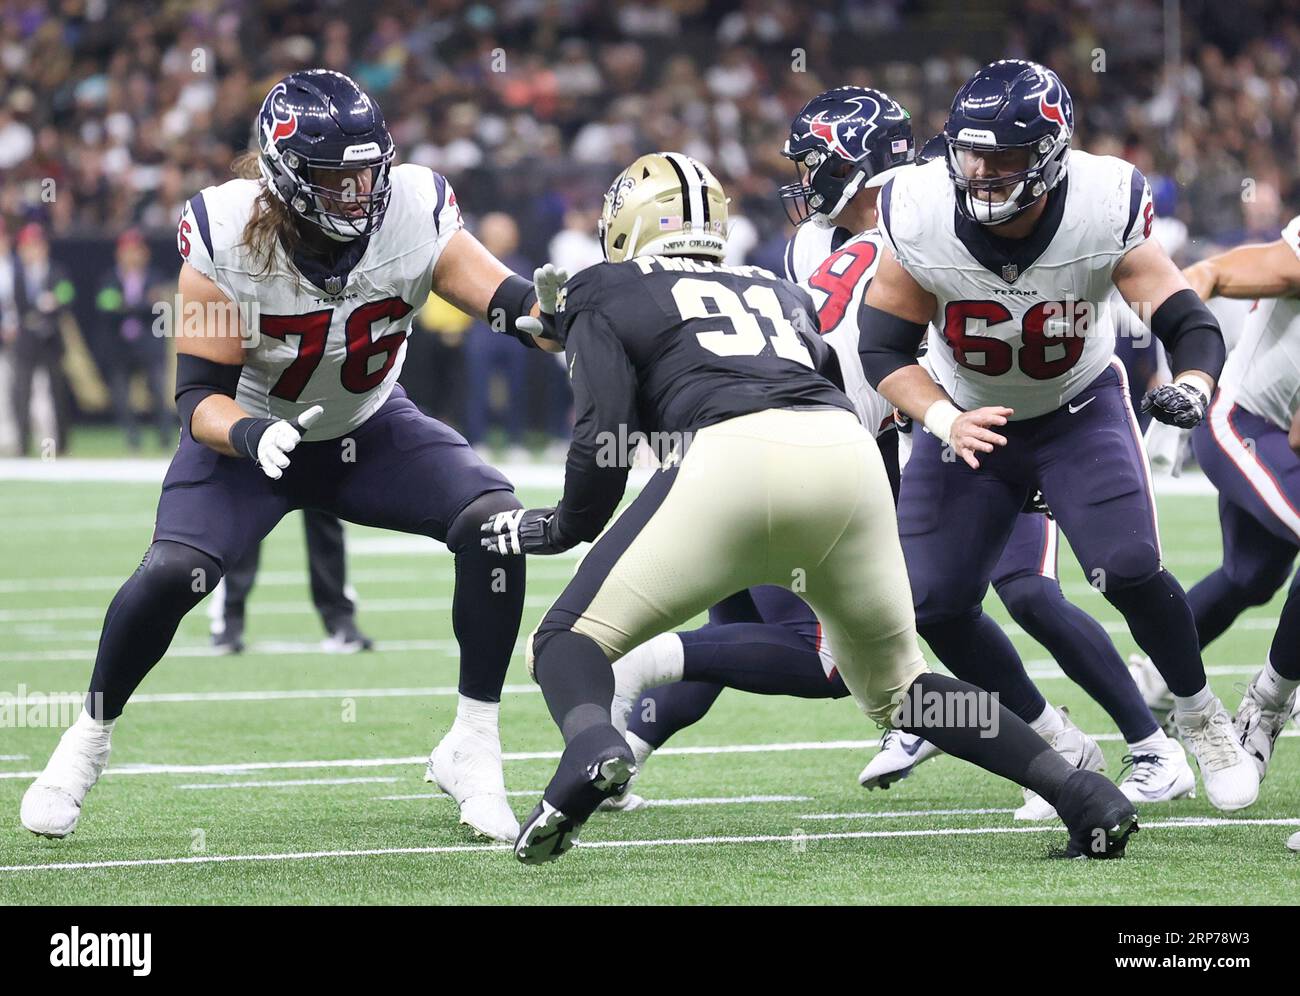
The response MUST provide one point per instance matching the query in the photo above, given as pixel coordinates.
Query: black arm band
(886, 343)
(1190, 334)
(512, 300)
(197, 378)
(246, 433)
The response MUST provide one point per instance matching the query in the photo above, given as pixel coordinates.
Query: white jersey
(331, 339)
(1263, 370)
(837, 282)
(1024, 323)
(810, 246)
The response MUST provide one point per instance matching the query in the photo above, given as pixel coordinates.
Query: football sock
(656, 662)
(1048, 723)
(1284, 654)
(482, 717)
(1079, 644)
(757, 657)
(1147, 744)
(664, 710)
(1016, 752)
(976, 649)
(577, 681)
(1195, 702)
(1161, 621)
(142, 619)
(1273, 688)
(488, 601)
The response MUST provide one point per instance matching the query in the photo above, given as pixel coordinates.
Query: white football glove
(548, 280)
(280, 438)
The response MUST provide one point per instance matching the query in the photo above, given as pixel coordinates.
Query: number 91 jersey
(333, 338)
(1024, 323)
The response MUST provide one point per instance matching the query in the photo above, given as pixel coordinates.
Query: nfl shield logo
(335, 284)
(1010, 272)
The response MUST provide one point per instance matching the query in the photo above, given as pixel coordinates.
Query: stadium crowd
(528, 107)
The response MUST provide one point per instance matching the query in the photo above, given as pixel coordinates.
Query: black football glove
(1176, 404)
(521, 530)
(1036, 503)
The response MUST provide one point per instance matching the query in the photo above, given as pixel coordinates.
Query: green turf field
(289, 776)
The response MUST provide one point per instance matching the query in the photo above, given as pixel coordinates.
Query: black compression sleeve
(886, 342)
(513, 299)
(197, 378)
(1190, 334)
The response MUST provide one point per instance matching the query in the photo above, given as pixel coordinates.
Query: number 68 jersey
(1024, 323)
(331, 337)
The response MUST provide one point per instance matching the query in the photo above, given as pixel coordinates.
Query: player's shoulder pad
(1112, 193)
(425, 193)
(597, 288)
(914, 205)
(1291, 234)
(212, 223)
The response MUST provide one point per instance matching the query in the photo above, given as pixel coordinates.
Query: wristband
(1197, 381)
(246, 433)
(939, 418)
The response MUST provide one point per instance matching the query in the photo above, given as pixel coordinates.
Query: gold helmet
(664, 204)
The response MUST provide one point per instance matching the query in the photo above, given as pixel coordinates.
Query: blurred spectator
(125, 304)
(43, 294)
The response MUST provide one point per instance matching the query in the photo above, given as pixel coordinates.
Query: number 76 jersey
(1024, 323)
(331, 337)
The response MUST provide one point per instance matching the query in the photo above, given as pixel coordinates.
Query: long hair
(270, 224)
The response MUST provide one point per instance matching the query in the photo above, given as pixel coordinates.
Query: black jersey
(659, 347)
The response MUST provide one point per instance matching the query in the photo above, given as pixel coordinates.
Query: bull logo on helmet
(829, 131)
(1052, 112)
(283, 121)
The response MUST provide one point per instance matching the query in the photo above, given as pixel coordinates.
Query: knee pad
(466, 531)
(1124, 567)
(1029, 596)
(176, 574)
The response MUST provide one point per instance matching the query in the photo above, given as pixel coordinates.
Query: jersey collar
(329, 271)
(1009, 258)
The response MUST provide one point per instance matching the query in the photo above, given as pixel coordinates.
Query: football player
(299, 282)
(847, 142)
(664, 339)
(1009, 245)
(1249, 447)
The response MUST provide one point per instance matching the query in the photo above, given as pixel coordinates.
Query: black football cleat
(230, 640)
(1098, 815)
(552, 828)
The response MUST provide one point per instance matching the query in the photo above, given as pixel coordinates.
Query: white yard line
(795, 839)
(900, 813)
(513, 793)
(292, 782)
(539, 755)
(297, 607)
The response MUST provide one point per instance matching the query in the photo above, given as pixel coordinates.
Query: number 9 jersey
(331, 335)
(1024, 323)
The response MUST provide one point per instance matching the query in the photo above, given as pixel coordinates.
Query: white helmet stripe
(694, 184)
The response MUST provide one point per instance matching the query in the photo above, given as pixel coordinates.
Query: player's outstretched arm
(209, 357)
(892, 324)
(478, 283)
(1157, 290)
(1269, 269)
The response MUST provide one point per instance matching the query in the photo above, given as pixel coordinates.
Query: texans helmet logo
(284, 122)
(828, 131)
(1052, 112)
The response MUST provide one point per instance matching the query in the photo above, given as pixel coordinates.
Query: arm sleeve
(1190, 334)
(604, 397)
(886, 342)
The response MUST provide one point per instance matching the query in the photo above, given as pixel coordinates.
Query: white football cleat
(1259, 724)
(1155, 693)
(467, 766)
(1160, 774)
(628, 801)
(1076, 747)
(899, 753)
(1230, 775)
(1294, 841)
(51, 805)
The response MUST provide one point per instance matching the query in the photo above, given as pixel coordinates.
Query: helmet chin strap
(994, 213)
